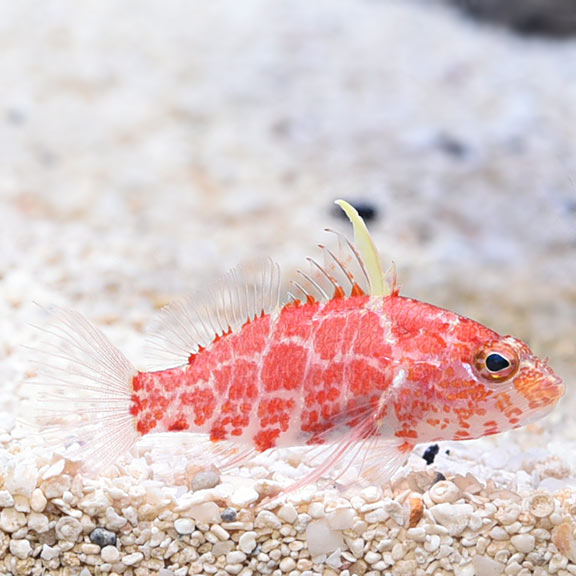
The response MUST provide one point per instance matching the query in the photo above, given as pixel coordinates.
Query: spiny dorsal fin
(351, 270)
(194, 322)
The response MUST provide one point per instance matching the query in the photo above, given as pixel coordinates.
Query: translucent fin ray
(362, 454)
(354, 269)
(194, 322)
(82, 395)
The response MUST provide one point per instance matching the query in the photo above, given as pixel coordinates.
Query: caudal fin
(82, 396)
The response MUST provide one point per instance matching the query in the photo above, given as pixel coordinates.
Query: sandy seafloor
(146, 147)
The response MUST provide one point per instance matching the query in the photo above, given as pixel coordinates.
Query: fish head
(494, 383)
(508, 367)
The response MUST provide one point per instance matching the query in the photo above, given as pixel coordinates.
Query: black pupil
(495, 363)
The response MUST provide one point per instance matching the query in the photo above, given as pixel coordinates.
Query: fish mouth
(559, 384)
(541, 387)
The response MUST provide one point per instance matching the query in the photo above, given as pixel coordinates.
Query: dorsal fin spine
(368, 251)
(347, 274)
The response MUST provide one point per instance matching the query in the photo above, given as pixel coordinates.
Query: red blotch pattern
(316, 368)
(284, 367)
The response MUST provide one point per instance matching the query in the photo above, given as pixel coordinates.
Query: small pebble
(11, 520)
(90, 548)
(267, 519)
(288, 513)
(6, 499)
(287, 564)
(235, 557)
(542, 505)
(20, 548)
(204, 479)
(341, 518)
(222, 548)
(432, 544)
(370, 494)
(372, 557)
(356, 546)
(444, 491)
(184, 526)
(68, 528)
(499, 534)
(416, 511)
(316, 510)
(206, 512)
(244, 496)
(38, 501)
(229, 515)
(21, 503)
(247, 542)
(219, 532)
(563, 538)
(486, 566)
(110, 554)
(454, 517)
(358, 568)
(416, 534)
(321, 539)
(49, 553)
(524, 543)
(114, 520)
(22, 478)
(132, 559)
(38, 522)
(103, 537)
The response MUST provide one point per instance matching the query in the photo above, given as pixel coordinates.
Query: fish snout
(539, 385)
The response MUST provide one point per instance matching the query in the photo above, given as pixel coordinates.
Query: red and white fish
(351, 367)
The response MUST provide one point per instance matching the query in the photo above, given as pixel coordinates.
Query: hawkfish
(341, 365)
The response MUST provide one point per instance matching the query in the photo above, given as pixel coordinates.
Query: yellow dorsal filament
(367, 250)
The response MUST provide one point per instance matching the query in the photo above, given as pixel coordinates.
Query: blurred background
(146, 147)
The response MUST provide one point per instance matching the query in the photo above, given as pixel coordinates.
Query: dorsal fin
(351, 270)
(194, 322)
(368, 251)
(187, 325)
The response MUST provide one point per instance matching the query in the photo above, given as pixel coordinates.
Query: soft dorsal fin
(187, 325)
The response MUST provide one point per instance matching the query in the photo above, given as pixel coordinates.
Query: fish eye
(495, 364)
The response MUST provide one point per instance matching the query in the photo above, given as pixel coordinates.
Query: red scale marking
(295, 321)
(284, 367)
(328, 336)
(365, 379)
(254, 336)
(321, 365)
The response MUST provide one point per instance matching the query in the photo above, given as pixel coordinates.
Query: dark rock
(102, 537)
(366, 210)
(451, 146)
(430, 453)
(545, 17)
(228, 515)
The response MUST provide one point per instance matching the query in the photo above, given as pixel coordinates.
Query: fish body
(310, 371)
(361, 371)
